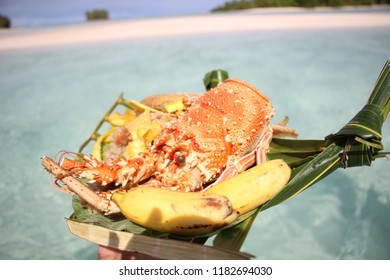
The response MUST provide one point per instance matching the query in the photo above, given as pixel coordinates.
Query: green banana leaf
(215, 77)
(358, 143)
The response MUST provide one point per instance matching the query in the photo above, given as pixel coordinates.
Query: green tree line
(5, 22)
(96, 15)
(248, 4)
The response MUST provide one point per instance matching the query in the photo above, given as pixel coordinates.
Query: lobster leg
(263, 146)
(280, 130)
(259, 155)
(100, 203)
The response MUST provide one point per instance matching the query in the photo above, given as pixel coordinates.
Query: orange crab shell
(224, 124)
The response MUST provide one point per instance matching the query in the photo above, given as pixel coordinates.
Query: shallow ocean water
(52, 98)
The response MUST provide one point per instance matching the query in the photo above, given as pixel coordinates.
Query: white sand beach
(176, 26)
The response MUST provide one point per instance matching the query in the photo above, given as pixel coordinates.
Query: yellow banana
(187, 214)
(254, 187)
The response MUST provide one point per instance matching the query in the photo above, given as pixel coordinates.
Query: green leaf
(381, 93)
(233, 238)
(367, 124)
(295, 152)
(214, 78)
(362, 135)
(358, 143)
(308, 174)
(115, 221)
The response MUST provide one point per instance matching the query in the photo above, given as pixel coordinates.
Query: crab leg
(100, 203)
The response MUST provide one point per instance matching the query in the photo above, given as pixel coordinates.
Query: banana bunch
(199, 213)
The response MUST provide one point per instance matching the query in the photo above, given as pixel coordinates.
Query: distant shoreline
(248, 20)
(319, 7)
(364, 8)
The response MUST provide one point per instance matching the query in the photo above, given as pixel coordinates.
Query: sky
(27, 13)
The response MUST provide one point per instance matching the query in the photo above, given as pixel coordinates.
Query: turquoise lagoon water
(52, 98)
